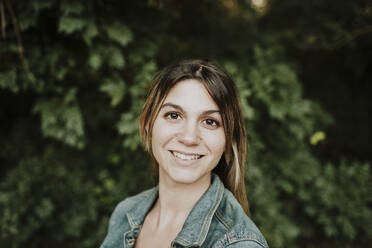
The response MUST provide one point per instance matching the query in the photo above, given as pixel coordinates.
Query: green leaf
(45, 209)
(143, 78)
(27, 21)
(41, 5)
(317, 137)
(127, 124)
(115, 88)
(70, 96)
(62, 120)
(116, 60)
(90, 32)
(95, 60)
(8, 80)
(120, 34)
(71, 7)
(68, 25)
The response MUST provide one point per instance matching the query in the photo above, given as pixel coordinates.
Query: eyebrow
(178, 107)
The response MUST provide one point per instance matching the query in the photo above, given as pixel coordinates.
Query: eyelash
(168, 115)
(214, 122)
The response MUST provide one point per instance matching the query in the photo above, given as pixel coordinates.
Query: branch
(2, 13)
(19, 42)
(354, 34)
(16, 30)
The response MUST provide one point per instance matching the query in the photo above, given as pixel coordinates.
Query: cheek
(216, 141)
(161, 135)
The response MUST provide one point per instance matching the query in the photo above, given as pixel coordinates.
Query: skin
(188, 141)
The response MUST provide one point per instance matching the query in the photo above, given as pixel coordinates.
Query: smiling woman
(193, 128)
(187, 138)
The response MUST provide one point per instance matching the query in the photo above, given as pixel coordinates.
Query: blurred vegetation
(74, 74)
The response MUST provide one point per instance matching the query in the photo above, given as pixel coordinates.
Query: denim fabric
(217, 220)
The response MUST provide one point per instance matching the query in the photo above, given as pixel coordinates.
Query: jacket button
(130, 241)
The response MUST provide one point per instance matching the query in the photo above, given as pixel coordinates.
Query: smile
(186, 156)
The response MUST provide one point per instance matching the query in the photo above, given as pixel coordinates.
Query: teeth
(186, 157)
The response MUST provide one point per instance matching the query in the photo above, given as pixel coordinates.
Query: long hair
(222, 89)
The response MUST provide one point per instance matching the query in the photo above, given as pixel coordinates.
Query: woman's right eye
(172, 116)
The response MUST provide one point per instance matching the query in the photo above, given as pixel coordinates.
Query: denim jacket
(217, 221)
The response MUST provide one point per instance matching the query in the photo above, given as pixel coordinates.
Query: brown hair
(222, 89)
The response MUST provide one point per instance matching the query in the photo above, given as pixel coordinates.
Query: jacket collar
(137, 214)
(196, 226)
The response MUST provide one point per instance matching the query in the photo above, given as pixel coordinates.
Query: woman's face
(188, 138)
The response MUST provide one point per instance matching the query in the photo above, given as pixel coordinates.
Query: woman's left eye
(211, 123)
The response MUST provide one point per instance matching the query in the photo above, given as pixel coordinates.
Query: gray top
(217, 220)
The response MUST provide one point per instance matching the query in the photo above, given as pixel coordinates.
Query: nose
(189, 134)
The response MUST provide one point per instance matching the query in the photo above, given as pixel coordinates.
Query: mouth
(187, 156)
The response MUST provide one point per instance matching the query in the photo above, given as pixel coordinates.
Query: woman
(193, 128)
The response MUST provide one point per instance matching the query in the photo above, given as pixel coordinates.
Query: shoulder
(237, 228)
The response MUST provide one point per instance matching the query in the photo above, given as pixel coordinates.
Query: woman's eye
(212, 123)
(172, 116)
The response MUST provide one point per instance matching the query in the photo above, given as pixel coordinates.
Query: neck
(176, 200)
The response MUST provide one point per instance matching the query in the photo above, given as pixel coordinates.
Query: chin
(186, 176)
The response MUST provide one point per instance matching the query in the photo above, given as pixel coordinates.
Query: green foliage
(338, 203)
(70, 143)
(119, 33)
(8, 80)
(62, 120)
(63, 203)
(114, 88)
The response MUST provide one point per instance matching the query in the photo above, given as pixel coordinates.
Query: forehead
(191, 94)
